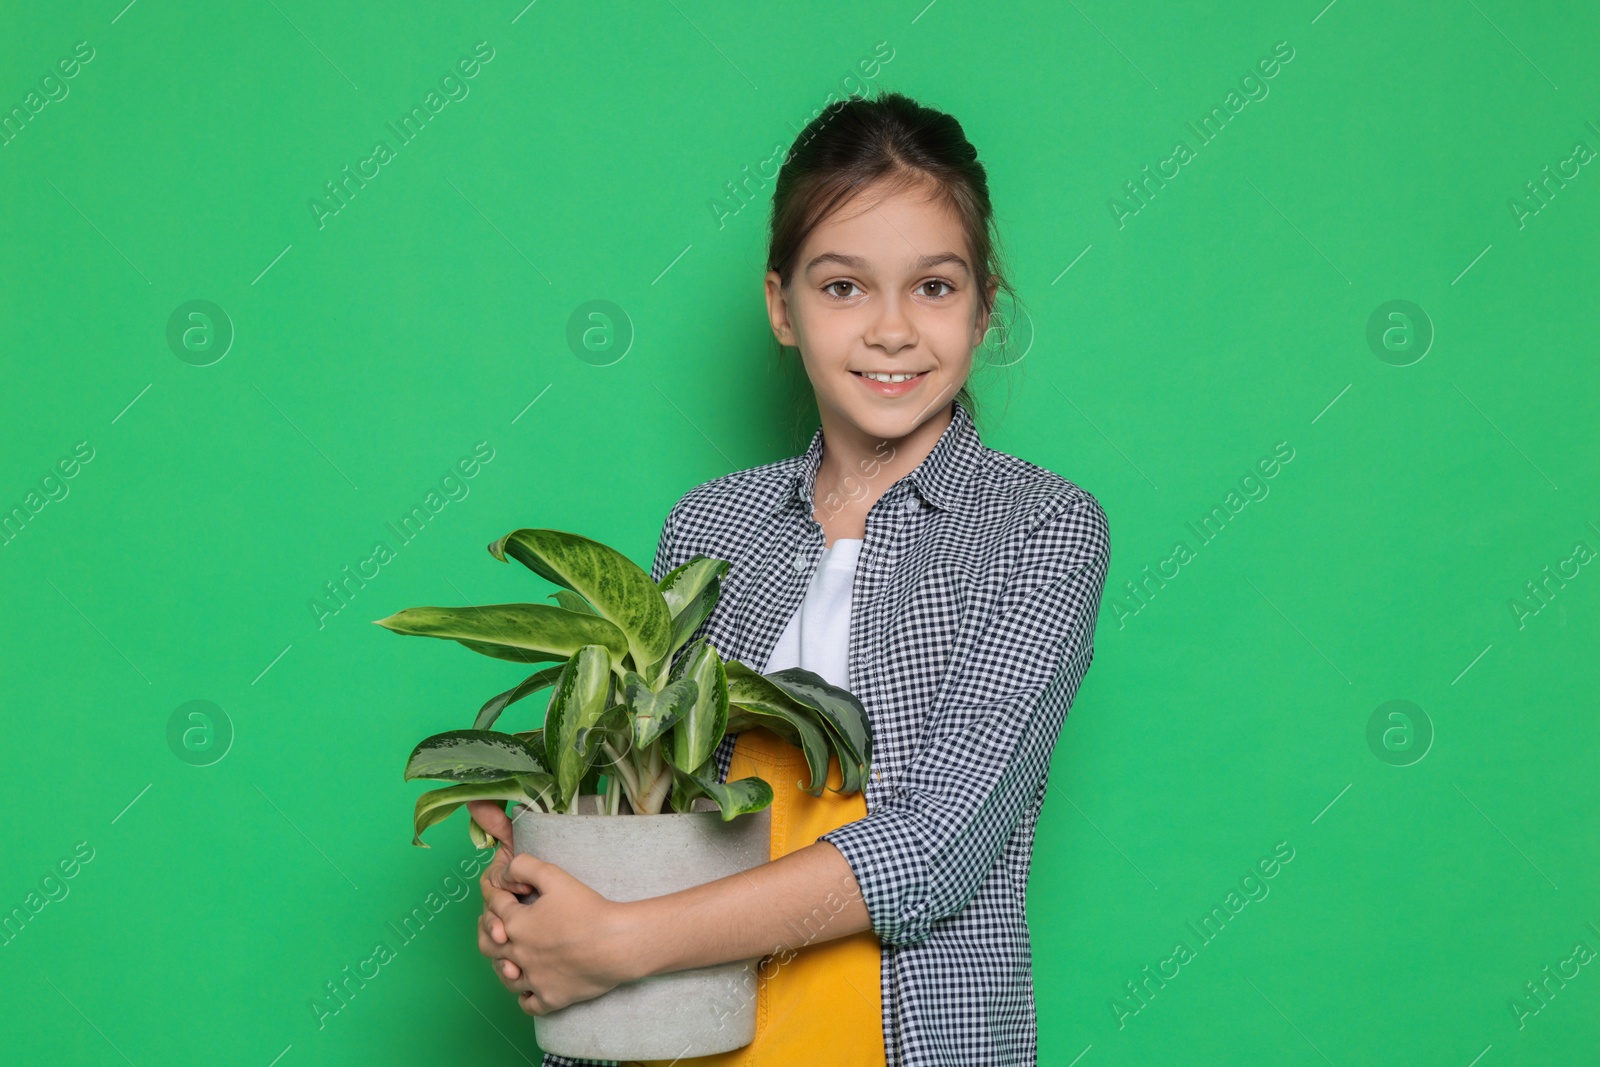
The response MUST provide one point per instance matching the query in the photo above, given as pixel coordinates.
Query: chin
(887, 424)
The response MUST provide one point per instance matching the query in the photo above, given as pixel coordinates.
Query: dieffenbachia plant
(629, 700)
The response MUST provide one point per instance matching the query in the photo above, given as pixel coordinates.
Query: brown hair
(892, 139)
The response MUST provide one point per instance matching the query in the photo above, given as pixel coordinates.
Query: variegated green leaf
(738, 797)
(437, 804)
(524, 633)
(612, 725)
(578, 701)
(793, 725)
(691, 591)
(572, 601)
(841, 712)
(505, 652)
(472, 756)
(618, 589)
(699, 730)
(843, 720)
(655, 713)
(531, 684)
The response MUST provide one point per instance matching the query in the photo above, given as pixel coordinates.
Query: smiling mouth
(880, 381)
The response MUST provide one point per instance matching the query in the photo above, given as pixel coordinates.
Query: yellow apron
(825, 1001)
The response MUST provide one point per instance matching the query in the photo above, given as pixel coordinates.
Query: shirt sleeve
(921, 854)
(664, 549)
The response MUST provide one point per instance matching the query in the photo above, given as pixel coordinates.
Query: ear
(981, 326)
(778, 310)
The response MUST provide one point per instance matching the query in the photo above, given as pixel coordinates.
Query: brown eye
(838, 296)
(937, 281)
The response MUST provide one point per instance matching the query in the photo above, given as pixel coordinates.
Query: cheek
(827, 342)
(959, 368)
(964, 333)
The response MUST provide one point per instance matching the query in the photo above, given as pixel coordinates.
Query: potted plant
(635, 714)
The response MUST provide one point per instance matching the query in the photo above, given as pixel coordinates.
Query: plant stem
(624, 770)
(659, 762)
(660, 786)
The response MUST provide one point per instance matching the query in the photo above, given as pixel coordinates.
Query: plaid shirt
(972, 625)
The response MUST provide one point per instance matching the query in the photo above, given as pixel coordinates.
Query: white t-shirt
(818, 636)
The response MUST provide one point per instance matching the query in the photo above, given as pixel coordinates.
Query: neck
(858, 467)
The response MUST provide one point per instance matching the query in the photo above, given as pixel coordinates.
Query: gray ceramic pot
(630, 857)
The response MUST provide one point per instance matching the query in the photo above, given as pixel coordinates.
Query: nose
(891, 327)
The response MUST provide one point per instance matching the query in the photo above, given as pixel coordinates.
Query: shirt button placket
(871, 550)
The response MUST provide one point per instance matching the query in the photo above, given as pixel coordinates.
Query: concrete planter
(631, 857)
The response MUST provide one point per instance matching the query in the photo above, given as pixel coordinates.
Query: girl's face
(883, 286)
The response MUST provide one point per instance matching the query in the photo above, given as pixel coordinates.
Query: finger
(508, 971)
(490, 877)
(505, 982)
(500, 902)
(518, 889)
(497, 872)
(492, 929)
(492, 817)
(510, 975)
(491, 935)
(498, 877)
(529, 869)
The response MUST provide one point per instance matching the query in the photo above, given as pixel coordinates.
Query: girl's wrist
(635, 944)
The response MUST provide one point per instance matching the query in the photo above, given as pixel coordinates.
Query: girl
(952, 587)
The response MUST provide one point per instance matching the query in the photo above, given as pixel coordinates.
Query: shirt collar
(939, 478)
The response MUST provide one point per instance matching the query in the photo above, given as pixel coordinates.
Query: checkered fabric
(972, 625)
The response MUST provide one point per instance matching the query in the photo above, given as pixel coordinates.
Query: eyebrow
(857, 263)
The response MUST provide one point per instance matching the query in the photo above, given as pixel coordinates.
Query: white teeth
(887, 377)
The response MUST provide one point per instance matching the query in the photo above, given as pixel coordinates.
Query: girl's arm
(923, 853)
(802, 898)
(572, 944)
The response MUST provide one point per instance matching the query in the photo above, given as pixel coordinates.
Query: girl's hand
(571, 944)
(491, 931)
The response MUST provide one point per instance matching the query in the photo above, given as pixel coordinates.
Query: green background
(590, 161)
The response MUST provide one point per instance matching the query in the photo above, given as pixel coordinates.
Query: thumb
(533, 871)
(500, 871)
